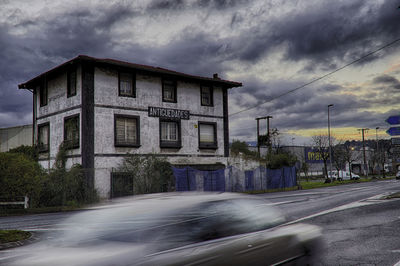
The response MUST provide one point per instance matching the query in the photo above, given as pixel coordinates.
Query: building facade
(104, 109)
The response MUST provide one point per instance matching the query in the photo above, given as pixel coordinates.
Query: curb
(20, 243)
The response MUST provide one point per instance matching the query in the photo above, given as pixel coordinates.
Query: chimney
(215, 76)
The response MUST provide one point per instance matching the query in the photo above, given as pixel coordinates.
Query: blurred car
(398, 175)
(176, 229)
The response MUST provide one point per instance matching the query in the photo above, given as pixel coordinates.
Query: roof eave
(225, 83)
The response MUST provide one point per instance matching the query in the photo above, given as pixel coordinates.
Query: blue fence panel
(290, 176)
(185, 179)
(249, 179)
(214, 180)
(281, 178)
(274, 178)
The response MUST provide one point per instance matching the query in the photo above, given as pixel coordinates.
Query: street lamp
(329, 137)
(377, 146)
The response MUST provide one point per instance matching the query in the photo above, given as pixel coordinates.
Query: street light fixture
(377, 147)
(329, 139)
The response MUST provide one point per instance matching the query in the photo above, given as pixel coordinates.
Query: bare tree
(350, 155)
(339, 157)
(320, 144)
(382, 156)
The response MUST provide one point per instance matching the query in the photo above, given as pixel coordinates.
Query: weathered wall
(149, 93)
(59, 106)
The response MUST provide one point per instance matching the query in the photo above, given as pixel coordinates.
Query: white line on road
(364, 202)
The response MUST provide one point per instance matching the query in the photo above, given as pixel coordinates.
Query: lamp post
(329, 139)
(377, 147)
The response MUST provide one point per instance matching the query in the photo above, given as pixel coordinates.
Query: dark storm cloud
(195, 53)
(388, 80)
(166, 4)
(179, 5)
(326, 32)
(323, 36)
(49, 41)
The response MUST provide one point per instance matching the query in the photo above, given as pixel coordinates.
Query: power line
(317, 79)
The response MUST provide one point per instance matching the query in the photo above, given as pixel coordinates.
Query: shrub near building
(20, 176)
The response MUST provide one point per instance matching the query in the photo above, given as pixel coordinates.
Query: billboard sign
(312, 155)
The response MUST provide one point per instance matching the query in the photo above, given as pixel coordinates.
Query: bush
(66, 187)
(150, 174)
(29, 151)
(241, 147)
(62, 187)
(276, 161)
(20, 176)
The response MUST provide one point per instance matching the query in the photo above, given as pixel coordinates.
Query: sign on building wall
(168, 113)
(313, 156)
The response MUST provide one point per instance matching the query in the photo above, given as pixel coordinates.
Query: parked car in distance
(342, 175)
(177, 229)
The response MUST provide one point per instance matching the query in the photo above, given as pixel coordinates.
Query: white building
(104, 109)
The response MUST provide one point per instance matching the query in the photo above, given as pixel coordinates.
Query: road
(358, 227)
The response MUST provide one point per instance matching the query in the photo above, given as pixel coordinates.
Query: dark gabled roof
(143, 68)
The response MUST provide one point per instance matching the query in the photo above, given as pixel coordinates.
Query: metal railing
(13, 201)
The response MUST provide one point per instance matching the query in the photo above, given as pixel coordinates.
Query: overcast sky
(270, 46)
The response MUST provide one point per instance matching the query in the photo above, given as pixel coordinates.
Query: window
(71, 83)
(170, 136)
(126, 131)
(43, 137)
(43, 94)
(71, 132)
(208, 135)
(169, 90)
(126, 84)
(206, 96)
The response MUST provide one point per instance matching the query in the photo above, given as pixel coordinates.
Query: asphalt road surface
(359, 228)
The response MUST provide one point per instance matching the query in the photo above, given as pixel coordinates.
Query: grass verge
(13, 212)
(7, 236)
(311, 185)
(393, 196)
(315, 184)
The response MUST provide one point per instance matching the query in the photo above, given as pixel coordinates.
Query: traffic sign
(393, 131)
(393, 120)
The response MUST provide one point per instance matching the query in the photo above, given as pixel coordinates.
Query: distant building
(104, 109)
(13, 137)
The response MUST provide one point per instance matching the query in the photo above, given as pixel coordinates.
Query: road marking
(364, 202)
(280, 203)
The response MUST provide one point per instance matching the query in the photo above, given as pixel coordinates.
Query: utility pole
(258, 132)
(269, 135)
(258, 136)
(377, 149)
(329, 140)
(363, 130)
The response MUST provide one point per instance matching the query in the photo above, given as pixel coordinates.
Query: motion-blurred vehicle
(398, 175)
(177, 229)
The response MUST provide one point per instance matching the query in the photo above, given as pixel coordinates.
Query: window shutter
(120, 128)
(164, 131)
(207, 133)
(130, 130)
